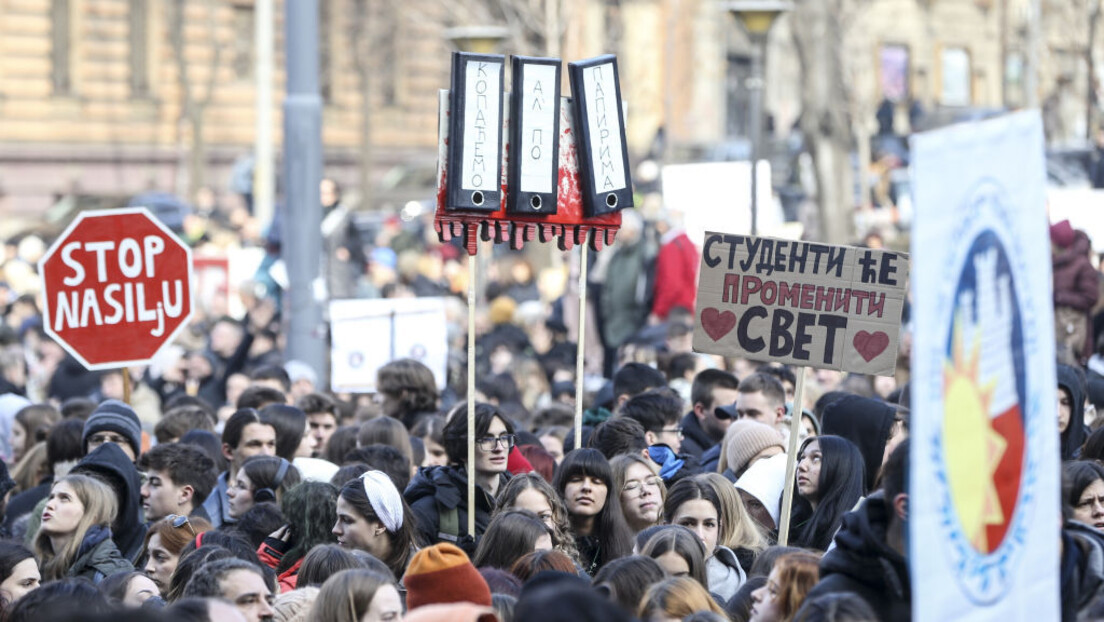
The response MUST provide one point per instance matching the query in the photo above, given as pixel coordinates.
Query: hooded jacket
(865, 422)
(864, 564)
(439, 488)
(110, 464)
(724, 573)
(97, 557)
(1081, 569)
(1073, 381)
(696, 440)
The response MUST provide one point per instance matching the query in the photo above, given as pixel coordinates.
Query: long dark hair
(614, 535)
(311, 511)
(1076, 477)
(839, 488)
(511, 535)
(402, 541)
(11, 555)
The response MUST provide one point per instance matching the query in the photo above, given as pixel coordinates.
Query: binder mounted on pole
(475, 125)
(603, 151)
(533, 162)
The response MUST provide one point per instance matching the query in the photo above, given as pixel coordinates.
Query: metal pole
(755, 132)
(471, 395)
(302, 211)
(580, 371)
(263, 158)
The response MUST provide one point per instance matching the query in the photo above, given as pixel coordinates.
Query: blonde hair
(294, 606)
(347, 595)
(677, 597)
(100, 507)
(738, 528)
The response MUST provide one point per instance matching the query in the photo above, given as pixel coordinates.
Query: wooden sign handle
(791, 460)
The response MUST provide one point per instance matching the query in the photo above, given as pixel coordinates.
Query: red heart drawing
(717, 323)
(870, 345)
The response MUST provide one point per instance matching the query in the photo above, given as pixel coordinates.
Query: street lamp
(757, 17)
(477, 39)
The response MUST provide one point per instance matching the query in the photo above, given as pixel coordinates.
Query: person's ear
(227, 452)
(779, 414)
(650, 438)
(700, 411)
(900, 506)
(185, 494)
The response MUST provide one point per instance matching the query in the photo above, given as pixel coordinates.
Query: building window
(60, 35)
(241, 59)
(325, 56)
(893, 72)
(138, 33)
(955, 84)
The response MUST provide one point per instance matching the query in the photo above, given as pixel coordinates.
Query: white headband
(384, 498)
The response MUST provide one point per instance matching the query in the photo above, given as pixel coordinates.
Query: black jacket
(1081, 569)
(110, 464)
(864, 564)
(439, 488)
(695, 440)
(865, 422)
(1073, 380)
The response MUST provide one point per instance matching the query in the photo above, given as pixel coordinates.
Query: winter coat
(1081, 569)
(863, 563)
(271, 553)
(1076, 282)
(1073, 380)
(624, 298)
(865, 422)
(724, 573)
(217, 504)
(98, 557)
(695, 440)
(110, 464)
(676, 274)
(439, 488)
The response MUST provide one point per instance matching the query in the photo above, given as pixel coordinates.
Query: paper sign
(800, 303)
(984, 500)
(368, 334)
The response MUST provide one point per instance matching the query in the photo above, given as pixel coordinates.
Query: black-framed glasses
(179, 521)
(490, 443)
(676, 430)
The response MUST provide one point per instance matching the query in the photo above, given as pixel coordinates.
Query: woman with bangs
(585, 483)
(529, 491)
(830, 476)
(74, 539)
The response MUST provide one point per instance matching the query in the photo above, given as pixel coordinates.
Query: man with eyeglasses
(659, 412)
(438, 495)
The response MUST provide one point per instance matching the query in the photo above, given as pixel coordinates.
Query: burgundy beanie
(442, 573)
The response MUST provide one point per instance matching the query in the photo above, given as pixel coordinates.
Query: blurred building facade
(99, 97)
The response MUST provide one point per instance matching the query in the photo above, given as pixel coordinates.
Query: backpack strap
(448, 522)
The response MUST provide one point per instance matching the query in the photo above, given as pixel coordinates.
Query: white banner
(368, 334)
(984, 498)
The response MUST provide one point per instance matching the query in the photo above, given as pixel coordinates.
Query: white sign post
(984, 496)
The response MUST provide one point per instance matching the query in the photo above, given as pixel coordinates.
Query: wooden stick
(791, 459)
(471, 395)
(126, 385)
(581, 342)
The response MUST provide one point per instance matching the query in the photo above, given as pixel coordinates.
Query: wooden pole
(471, 395)
(791, 460)
(126, 385)
(581, 342)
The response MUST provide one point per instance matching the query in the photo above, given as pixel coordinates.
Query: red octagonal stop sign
(117, 286)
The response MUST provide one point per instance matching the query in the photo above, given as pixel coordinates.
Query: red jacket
(271, 556)
(676, 275)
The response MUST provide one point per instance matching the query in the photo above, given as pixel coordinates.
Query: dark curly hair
(311, 512)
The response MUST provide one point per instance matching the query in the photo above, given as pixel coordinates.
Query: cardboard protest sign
(370, 333)
(800, 303)
(984, 492)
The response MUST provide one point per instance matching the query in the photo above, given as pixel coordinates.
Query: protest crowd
(234, 485)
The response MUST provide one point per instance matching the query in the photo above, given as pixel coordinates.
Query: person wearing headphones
(261, 479)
